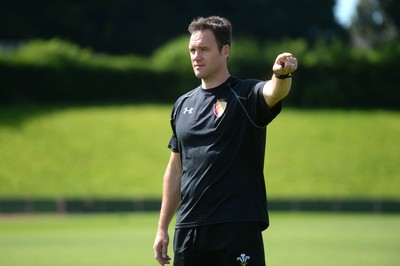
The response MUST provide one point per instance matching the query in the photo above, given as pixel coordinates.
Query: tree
(138, 26)
(373, 24)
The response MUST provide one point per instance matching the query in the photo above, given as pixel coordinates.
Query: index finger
(161, 255)
(282, 58)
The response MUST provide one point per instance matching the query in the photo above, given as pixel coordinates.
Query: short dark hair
(221, 27)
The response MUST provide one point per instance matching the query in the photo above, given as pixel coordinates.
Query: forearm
(276, 89)
(171, 192)
(170, 202)
(279, 86)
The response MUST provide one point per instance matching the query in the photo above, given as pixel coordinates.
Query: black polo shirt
(220, 134)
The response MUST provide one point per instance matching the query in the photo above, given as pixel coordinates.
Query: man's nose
(197, 55)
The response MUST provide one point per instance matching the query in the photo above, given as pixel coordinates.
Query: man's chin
(198, 75)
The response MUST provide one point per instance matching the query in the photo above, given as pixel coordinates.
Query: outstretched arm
(279, 86)
(170, 201)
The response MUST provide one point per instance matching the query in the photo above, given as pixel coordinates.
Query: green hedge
(58, 71)
(330, 74)
(336, 75)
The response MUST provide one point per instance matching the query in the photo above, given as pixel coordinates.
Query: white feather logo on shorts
(219, 107)
(243, 259)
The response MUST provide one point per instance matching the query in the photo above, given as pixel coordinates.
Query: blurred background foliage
(136, 51)
(140, 27)
(67, 67)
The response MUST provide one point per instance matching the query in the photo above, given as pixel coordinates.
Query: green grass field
(119, 151)
(302, 239)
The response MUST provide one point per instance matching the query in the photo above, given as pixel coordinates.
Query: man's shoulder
(244, 85)
(186, 95)
(235, 81)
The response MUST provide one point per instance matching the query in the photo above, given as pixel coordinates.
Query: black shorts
(219, 245)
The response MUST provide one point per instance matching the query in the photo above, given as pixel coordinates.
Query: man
(215, 171)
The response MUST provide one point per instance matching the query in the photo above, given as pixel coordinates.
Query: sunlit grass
(121, 151)
(328, 153)
(85, 152)
(303, 239)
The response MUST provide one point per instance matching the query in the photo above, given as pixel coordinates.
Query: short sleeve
(173, 143)
(264, 114)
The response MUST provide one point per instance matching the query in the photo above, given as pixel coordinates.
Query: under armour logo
(188, 110)
(243, 259)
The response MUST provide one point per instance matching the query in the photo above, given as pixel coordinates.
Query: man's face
(207, 60)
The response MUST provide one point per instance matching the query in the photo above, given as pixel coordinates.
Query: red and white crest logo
(219, 107)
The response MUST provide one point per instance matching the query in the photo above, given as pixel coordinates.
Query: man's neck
(216, 81)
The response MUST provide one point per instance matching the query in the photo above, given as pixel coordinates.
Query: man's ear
(226, 50)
